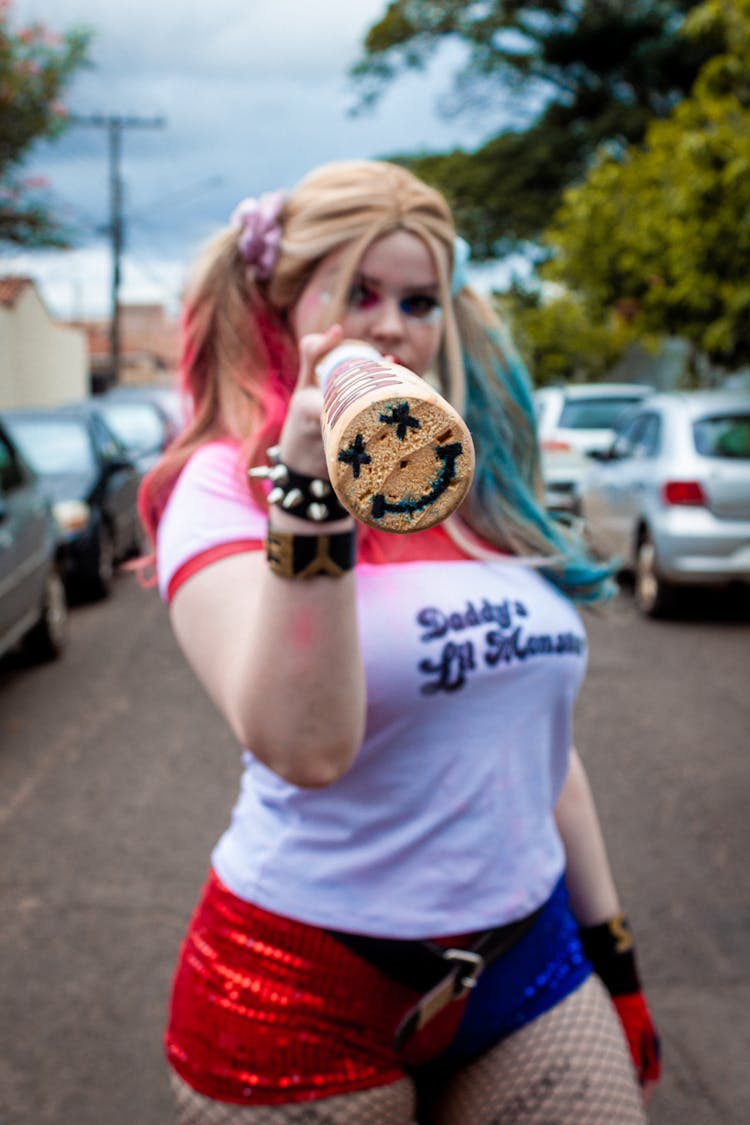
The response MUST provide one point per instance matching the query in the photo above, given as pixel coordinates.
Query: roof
(31, 412)
(11, 289)
(605, 390)
(594, 390)
(704, 400)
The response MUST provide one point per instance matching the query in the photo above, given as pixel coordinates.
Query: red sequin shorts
(266, 1010)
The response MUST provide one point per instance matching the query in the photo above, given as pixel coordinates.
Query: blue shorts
(545, 966)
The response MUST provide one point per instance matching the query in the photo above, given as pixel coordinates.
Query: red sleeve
(205, 558)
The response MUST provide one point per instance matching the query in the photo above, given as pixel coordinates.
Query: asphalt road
(116, 776)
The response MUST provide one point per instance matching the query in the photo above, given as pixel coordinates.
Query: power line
(115, 124)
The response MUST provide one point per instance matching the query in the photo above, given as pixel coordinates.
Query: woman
(409, 793)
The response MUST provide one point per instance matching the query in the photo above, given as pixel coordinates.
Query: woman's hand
(643, 1039)
(301, 436)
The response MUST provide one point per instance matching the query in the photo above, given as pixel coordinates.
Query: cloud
(253, 94)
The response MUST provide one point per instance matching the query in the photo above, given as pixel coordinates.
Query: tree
(35, 69)
(662, 232)
(585, 72)
(558, 338)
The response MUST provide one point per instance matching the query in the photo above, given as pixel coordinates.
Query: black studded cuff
(308, 498)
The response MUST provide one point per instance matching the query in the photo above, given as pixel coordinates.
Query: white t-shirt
(443, 823)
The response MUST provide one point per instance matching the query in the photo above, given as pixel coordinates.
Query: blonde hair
(352, 204)
(239, 361)
(239, 355)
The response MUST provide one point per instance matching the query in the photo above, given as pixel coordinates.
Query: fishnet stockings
(381, 1105)
(570, 1066)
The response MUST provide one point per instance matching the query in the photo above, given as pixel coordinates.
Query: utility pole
(115, 124)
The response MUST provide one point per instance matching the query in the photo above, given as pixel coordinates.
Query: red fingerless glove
(610, 949)
(641, 1035)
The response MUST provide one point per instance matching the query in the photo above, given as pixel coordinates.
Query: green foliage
(35, 69)
(664, 231)
(503, 194)
(559, 339)
(582, 73)
(725, 73)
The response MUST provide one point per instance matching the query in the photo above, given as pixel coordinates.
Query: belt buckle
(474, 963)
(453, 986)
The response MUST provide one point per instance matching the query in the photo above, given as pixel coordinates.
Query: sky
(252, 93)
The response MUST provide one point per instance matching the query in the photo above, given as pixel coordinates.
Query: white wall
(41, 363)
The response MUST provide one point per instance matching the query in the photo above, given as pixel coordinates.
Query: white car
(574, 421)
(671, 498)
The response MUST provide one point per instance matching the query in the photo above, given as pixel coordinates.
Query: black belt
(440, 974)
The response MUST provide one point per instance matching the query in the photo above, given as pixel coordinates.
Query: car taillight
(551, 446)
(686, 492)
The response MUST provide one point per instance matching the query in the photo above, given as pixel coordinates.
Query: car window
(137, 424)
(107, 442)
(54, 445)
(11, 471)
(595, 413)
(648, 440)
(171, 401)
(723, 436)
(629, 435)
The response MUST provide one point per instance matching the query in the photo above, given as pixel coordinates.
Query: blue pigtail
(503, 502)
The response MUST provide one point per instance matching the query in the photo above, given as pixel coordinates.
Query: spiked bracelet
(610, 949)
(308, 498)
(306, 556)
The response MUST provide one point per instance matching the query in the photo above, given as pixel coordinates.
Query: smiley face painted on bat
(406, 471)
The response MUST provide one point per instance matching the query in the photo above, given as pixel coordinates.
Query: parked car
(142, 425)
(93, 485)
(33, 605)
(167, 397)
(671, 497)
(574, 421)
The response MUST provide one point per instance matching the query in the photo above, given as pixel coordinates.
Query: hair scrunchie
(260, 231)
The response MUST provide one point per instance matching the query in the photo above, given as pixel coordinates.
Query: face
(393, 303)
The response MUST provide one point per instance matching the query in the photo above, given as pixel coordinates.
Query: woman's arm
(280, 659)
(280, 656)
(591, 887)
(605, 932)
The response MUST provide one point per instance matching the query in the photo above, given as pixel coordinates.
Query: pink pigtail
(238, 364)
(193, 381)
(275, 393)
(191, 374)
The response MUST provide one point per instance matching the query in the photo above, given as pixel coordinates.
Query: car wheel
(104, 575)
(47, 640)
(654, 597)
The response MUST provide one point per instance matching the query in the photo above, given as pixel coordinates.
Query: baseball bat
(400, 458)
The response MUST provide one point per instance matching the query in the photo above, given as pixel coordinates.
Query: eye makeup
(417, 305)
(421, 306)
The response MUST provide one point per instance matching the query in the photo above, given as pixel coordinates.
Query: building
(42, 362)
(149, 346)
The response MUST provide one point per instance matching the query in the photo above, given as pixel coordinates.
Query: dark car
(143, 426)
(93, 485)
(167, 397)
(33, 605)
